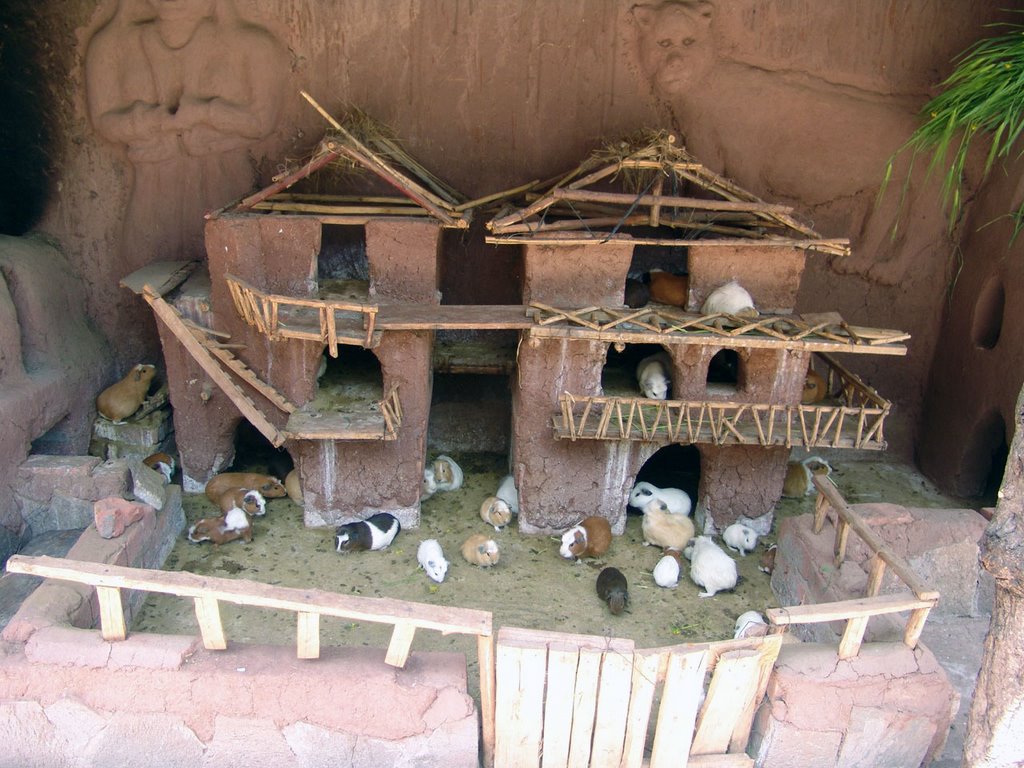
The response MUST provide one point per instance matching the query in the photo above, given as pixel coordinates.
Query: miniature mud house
(736, 382)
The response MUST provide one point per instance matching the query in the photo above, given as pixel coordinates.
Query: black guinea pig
(611, 587)
(377, 532)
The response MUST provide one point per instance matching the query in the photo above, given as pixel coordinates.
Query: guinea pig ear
(481, 549)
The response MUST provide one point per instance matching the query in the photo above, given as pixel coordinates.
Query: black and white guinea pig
(740, 538)
(376, 532)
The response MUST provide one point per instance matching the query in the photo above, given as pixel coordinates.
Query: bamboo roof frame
(569, 212)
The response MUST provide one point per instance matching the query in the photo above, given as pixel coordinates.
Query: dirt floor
(531, 586)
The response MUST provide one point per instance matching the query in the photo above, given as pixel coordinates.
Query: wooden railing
(307, 604)
(308, 319)
(856, 612)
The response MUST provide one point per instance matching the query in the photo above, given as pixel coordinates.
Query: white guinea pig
(729, 299)
(750, 624)
(677, 502)
(711, 567)
(429, 487)
(431, 559)
(653, 374)
(740, 538)
(507, 492)
(666, 572)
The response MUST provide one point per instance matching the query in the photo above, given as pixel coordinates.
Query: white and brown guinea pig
(590, 538)
(815, 388)
(163, 463)
(374, 533)
(270, 487)
(480, 550)
(119, 401)
(664, 529)
(495, 512)
(447, 474)
(798, 476)
(218, 530)
(250, 502)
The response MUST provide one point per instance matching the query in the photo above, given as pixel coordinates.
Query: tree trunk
(995, 727)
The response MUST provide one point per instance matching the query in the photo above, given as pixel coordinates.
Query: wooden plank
(834, 246)
(308, 635)
(245, 592)
(161, 276)
(412, 317)
(584, 705)
(111, 613)
(304, 424)
(485, 659)
(680, 697)
(645, 679)
(915, 624)
(768, 653)
(563, 659)
(841, 610)
(519, 707)
(737, 760)
(612, 710)
(545, 637)
(210, 626)
(732, 687)
(174, 323)
(853, 636)
(400, 645)
(668, 201)
(245, 373)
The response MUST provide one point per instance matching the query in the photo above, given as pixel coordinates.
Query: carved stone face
(674, 43)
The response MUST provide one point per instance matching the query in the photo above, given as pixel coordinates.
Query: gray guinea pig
(374, 533)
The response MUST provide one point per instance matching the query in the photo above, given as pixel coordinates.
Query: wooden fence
(571, 700)
(856, 612)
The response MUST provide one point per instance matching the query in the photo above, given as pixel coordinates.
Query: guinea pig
(480, 550)
(711, 567)
(431, 559)
(729, 299)
(162, 463)
(815, 388)
(250, 502)
(798, 476)
(666, 572)
(612, 588)
(376, 532)
(750, 624)
(664, 529)
(429, 486)
(507, 492)
(495, 512)
(677, 501)
(119, 401)
(667, 288)
(740, 538)
(590, 538)
(219, 530)
(768, 559)
(293, 486)
(653, 375)
(447, 474)
(637, 293)
(269, 487)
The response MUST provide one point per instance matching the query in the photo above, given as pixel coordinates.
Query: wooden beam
(111, 613)
(400, 645)
(210, 625)
(308, 635)
(668, 201)
(842, 610)
(485, 658)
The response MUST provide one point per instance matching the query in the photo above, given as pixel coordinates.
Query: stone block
(151, 651)
(130, 734)
(40, 475)
(148, 485)
(147, 431)
(114, 514)
(110, 478)
(239, 736)
(68, 646)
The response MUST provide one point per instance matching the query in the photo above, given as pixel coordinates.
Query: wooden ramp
(572, 700)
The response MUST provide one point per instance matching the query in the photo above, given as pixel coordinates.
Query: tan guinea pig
(667, 288)
(119, 401)
(591, 538)
(293, 486)
(815, 389)
(480, 550)
(270, 487)
(495, 512)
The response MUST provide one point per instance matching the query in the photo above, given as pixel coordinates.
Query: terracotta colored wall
(800, 102)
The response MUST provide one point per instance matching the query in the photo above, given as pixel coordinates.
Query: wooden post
(208, 614)
(111, 613)
(875, 576)
(915, 624)
(308, 635)
(401, 642)
(485, 660)
(842, 536)
(849, 646)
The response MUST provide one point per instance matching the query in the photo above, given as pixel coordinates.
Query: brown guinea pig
(612, 588)
(161, 462)
(218, 485)
(221, 530)
(768, 559)
(798, 476)
(480, 550)
(815, 389)
(250, 502)
(119, 401)
(591, 538)
(495, 512)
(667, 288)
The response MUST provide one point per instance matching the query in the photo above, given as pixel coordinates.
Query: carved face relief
(674, 43)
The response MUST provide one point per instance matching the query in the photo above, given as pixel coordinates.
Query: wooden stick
(668, 201)
(496, 196)
(314, 165)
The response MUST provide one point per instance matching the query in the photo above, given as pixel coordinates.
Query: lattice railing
(309, 319)
(667, 322)
(391, 410)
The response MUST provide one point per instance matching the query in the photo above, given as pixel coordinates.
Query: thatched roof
(651, 190)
